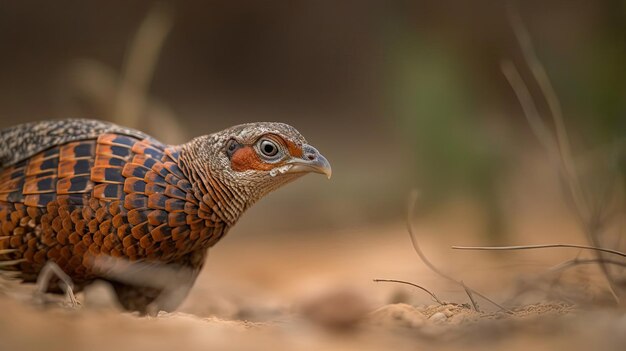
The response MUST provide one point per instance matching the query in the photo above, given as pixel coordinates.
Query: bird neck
(217, 200)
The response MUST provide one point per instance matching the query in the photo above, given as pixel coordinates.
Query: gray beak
(311, 161)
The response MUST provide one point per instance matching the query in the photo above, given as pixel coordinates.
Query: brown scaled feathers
(75, 190)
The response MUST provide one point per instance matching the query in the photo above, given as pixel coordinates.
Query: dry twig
(413, 285)
(579, 261)
(470, 295)
(542, 246)
(418, 250)
(558, 144)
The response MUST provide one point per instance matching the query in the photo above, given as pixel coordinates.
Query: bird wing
(20, 142)
(112, 194)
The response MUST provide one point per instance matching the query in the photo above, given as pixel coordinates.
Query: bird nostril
(310, 157)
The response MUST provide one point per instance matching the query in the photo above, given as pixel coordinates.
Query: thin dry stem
(539, 128)
(579, 261)
(418, 250)
(542, 246)
(560, 152)
(471, 296)
(413, 285)
(540, 75)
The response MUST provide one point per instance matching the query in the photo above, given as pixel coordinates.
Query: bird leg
(170, 298)
(46, 274)
(147, 287)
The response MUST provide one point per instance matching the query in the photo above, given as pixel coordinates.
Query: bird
(90, 200)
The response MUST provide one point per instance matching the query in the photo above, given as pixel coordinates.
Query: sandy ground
(308, 291)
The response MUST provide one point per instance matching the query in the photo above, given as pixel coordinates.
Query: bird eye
(268, 148)
(231, 146)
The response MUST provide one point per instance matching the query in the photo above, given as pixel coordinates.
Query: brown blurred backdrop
(397, 94)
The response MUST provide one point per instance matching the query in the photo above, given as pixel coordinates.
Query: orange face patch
(246, 158)
(294, 149)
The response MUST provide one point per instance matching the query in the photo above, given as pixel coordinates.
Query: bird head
(256, 158)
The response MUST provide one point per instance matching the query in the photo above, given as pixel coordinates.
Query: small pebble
(438, 318)
(339, 309)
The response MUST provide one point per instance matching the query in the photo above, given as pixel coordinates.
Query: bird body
(73, 191)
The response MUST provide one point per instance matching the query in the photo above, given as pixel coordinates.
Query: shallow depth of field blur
(398, 95)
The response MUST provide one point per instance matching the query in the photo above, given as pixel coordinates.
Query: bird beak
(311, 161)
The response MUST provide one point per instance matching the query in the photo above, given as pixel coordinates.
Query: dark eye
(231, 146)
(268, 148)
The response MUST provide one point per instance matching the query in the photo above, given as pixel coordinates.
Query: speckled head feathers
(255, 158)
(249, 132)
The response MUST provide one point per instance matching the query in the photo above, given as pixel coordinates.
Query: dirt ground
(303, 291)
(268, 286)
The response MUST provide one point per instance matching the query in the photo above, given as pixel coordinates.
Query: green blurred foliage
(433, 106)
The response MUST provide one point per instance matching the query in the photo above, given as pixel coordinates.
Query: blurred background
(396, 94)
